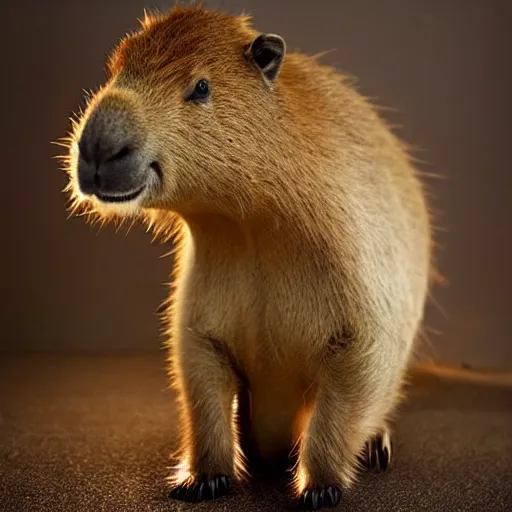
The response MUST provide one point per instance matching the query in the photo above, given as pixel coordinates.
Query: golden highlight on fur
(303, 245)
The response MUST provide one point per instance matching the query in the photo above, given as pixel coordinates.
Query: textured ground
(93, 434)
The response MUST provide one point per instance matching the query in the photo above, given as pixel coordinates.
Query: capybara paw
(315, 498)
(202, 489)
(377, 453)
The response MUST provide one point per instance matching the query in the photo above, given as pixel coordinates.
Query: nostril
(124, 151)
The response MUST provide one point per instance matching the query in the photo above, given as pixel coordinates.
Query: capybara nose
(110, 162)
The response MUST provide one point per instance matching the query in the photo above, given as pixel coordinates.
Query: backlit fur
(303, 244)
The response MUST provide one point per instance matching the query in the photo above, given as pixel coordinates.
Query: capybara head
(186, 120)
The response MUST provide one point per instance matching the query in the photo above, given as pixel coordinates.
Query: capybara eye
(201, 91)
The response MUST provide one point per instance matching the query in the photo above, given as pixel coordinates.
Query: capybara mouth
(113, 197)
(158, 170)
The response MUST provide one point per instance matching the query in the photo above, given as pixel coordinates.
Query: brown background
(444, 66)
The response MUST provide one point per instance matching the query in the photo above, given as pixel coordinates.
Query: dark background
(445, 67)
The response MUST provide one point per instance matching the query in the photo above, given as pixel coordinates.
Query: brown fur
(303, 244)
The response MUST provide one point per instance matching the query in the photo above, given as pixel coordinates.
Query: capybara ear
(267, 51)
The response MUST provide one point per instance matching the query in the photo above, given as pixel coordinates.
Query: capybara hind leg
(353, 400)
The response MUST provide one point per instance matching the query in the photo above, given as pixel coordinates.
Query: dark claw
(383, 459)
(178, 492)
(320, 497)
(202, 489)
(376, 455)
(224, 483)
(332, 496)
